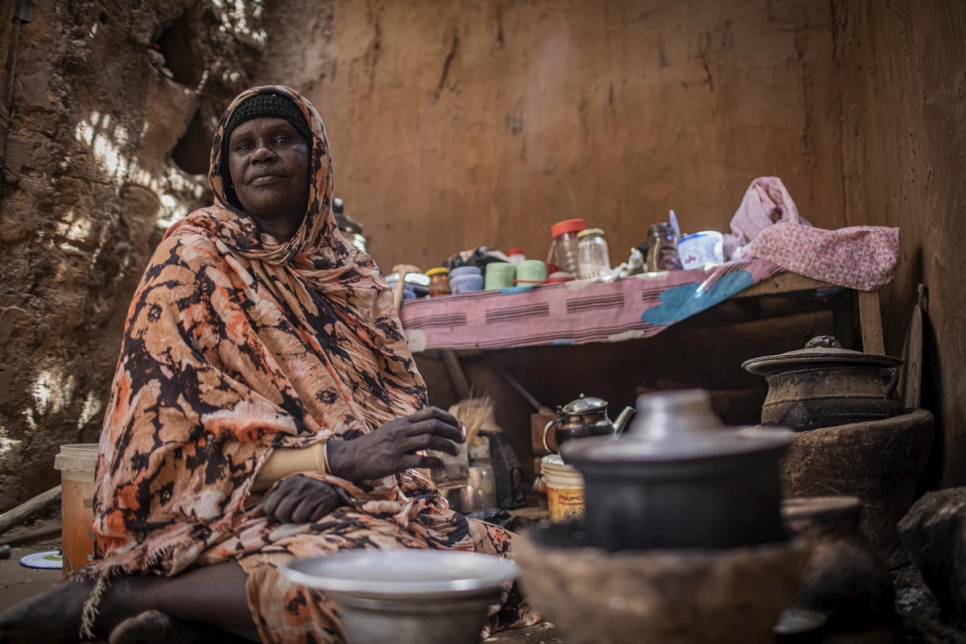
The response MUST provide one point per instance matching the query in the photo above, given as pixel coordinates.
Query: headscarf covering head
(266, 105)
(318, 234)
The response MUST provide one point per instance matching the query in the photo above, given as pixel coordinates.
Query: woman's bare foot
(155, 627)
(54, 616)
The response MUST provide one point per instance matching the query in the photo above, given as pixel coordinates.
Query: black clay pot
(824, 385)
(680, 479)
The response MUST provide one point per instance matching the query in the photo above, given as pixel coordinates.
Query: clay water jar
(844, 577)
(824, 385)
(679, 478)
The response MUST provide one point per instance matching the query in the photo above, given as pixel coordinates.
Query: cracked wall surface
(903, 134)
(87, 187)
(505, 117)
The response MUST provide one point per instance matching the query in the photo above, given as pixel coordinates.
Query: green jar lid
(501, 267)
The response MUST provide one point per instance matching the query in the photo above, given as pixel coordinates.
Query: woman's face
(269, 164)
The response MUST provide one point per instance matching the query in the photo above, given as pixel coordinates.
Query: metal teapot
(583, 418)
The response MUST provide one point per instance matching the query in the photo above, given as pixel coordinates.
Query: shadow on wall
(113, 116)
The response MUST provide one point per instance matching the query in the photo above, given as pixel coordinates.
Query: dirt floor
(18, 582)
(921, 622)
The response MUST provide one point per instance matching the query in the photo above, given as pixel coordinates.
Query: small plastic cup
(455, 470)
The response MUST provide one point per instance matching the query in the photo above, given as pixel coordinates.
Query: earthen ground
(18, 583)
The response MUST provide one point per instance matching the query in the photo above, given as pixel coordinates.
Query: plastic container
(465, 270)
(466, 279)
(593, 259)
(565, 488)
(531, 271)
(558, 277)
(77, 463)
(563, 248)
(438, 282)
(701, 250)
(499, 275)
(516, 256)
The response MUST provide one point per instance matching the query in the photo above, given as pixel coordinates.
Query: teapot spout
(622, 420)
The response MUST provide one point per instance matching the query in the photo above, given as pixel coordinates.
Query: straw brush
(473, 412)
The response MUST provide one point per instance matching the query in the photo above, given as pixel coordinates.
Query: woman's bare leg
(212, 595)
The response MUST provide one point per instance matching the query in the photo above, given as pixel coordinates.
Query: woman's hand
(392, 448)
(300, 499)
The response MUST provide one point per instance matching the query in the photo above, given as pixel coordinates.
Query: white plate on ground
(51, 559)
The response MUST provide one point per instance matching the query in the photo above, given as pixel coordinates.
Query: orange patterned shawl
(236, 344)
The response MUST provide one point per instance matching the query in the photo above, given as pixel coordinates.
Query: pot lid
(675, 426)
(819, 351)
(583, 405)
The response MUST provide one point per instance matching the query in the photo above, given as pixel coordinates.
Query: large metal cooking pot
(824, 385)
(680, 479)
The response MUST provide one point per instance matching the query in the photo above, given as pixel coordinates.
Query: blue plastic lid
(465, 270)
(703, 233)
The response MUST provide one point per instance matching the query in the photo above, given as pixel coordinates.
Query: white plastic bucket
(77, 464)
(565, 488)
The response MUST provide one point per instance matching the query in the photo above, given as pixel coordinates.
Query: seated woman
(265, 407)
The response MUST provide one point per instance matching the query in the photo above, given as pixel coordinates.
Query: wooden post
(456, 374)
(870, 318)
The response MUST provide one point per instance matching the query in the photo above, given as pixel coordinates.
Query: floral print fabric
(237, 344)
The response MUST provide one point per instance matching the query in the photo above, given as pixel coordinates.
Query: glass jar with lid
(662, 248)
(563, 248)
(593, 259)
(438, 281)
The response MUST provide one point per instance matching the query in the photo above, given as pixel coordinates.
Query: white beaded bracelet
(325, 457)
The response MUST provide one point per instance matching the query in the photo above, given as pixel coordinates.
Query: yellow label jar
(438, 281)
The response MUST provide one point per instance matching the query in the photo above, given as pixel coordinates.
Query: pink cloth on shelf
(767, 226)
(859, 257)
(766, 202)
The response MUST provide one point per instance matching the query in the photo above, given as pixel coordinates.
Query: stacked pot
(824, 385)
(853, 436)
(682, 540)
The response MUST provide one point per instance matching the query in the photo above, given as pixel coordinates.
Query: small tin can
(438, 281)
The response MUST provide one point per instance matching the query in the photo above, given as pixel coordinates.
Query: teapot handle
(546, 430)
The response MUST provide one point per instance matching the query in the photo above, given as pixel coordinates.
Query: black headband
(269, 106)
